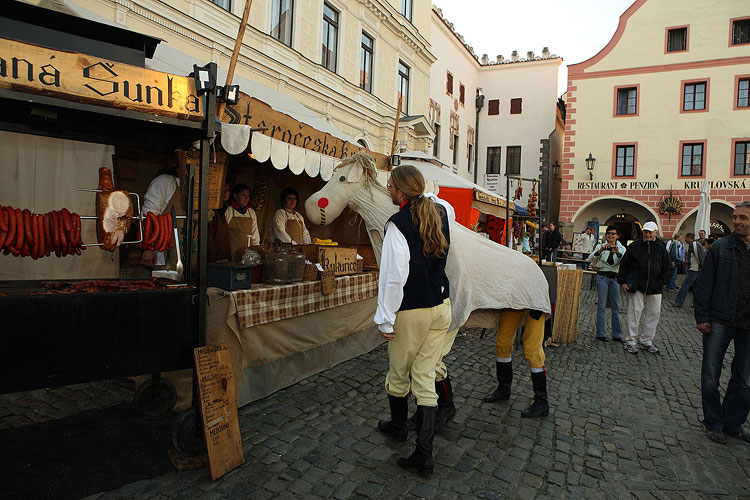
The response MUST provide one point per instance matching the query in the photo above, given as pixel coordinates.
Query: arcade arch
(625, 213)
(721, 219)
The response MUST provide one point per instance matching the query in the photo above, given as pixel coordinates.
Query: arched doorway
(628, 226)
(721, 219)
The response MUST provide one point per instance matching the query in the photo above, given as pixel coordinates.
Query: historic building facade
(662, 108)
(514, 127)
(345, 60)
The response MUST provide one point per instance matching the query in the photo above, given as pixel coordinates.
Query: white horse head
(350, 177)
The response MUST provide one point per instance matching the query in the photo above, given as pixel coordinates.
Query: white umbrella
(703, 217)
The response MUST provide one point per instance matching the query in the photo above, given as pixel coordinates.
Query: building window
(365, 68)
(692, 159)
(461, 94)
(449, 84)
(625, 161)
(470, 154)
(224, 4)
(282, 12)
(455, 149)
(515, 106)
(493, 160)
(677, 39)
(513, 160)
(493, 107)
(743, 92)
(694, 96)
(436, 142)
(740, 31)
(330, 36)
(407, 6)
(403, 86)
(627, 101)
(742, 157)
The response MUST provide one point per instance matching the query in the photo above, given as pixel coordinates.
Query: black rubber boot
(504, 381)
(446, 410)
(540, 407)
(396, 426)
(411, 423)
(421, 459)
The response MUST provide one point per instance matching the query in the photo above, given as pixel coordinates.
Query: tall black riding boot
(421, 459)
(540, 407)
(446, 410)
(396, 426)
(504, 381)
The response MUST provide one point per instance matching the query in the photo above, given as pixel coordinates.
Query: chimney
(545, 53)
(530, 55)
(514, 56)
(485, 59)
(500, 59)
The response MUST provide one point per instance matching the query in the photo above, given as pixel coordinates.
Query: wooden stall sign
(88, 79)
(338, 259)
(328, 282)
(218, 401)
(217, 174)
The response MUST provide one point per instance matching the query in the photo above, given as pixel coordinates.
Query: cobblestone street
(620, 426)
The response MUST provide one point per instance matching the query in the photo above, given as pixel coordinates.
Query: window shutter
(449, 85)
(493, 107)
(515, 106)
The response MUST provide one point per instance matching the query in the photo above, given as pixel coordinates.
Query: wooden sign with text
(328, 282)
(218, 401)
(256, 113)
(87, 79)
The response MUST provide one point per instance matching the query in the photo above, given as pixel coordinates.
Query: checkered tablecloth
(265, 303)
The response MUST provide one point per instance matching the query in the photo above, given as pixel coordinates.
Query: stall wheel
(187, 434)
(155, 398)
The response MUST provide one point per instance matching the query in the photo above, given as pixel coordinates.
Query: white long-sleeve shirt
(394, 270)
(277, 228)
(156, 200)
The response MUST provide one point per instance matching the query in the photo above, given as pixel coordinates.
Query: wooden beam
(236, 51)
(395, 130)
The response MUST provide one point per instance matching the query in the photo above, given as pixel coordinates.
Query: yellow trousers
(415, 350)
(441, 371)
(533, 336)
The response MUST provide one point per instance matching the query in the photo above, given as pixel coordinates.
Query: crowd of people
(718, 273)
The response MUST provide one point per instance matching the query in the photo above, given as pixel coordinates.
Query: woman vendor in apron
(287, 225)
(241, 221)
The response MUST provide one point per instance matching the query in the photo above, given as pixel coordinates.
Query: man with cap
(644, 270)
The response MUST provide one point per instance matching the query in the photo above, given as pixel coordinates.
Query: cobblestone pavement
(620, 426)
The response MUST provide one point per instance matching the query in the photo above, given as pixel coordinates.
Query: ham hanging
(114, 212)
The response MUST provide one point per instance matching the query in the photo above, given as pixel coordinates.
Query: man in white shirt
(413, 311)
(160, 196)
(588, 242)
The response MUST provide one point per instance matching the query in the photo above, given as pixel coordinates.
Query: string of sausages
(157, 232)
(26, 234)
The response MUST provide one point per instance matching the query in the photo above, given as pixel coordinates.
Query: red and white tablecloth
(266, 303)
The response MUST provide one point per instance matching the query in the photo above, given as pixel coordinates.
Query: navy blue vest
(427, 284)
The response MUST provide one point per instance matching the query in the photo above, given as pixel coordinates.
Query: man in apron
(162, 194)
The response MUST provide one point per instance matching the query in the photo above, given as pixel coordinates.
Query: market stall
(69, 317)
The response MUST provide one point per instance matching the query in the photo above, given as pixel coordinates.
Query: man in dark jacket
(722, 314)
(554, 238)
(644, 270)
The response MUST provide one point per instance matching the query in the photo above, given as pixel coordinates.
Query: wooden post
(395, 131)
(236, 52)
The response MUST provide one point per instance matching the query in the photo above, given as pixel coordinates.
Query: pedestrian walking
(694, 263)
(606, 258)
(644, 270)
(543, 236)
(674, 247)
(553, 241)
(722, 314)
(413, 311)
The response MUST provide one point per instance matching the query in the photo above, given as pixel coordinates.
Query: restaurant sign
(87, 79)
(689, 185)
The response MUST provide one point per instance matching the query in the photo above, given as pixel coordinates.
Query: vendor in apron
(241, 221)
(287, 225)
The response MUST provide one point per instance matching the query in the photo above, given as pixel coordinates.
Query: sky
(573, 29)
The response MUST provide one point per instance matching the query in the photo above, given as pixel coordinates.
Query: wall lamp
(590, 162)
(556, 171)
(205, 80)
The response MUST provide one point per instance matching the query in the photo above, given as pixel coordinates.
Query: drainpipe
(479, 102)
